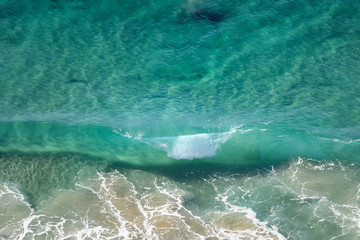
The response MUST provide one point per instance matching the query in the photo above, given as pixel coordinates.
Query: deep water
(180, 119)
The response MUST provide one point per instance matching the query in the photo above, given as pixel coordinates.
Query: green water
(180, 119)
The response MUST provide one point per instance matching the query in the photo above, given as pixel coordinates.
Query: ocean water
(180, 119)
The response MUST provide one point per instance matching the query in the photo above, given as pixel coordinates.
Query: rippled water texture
(179, 119)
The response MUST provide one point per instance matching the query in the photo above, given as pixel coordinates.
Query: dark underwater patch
(202, 14)
(75, 80)
(208, 15)
(12, 9)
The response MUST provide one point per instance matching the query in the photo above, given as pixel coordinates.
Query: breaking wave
(188, 147)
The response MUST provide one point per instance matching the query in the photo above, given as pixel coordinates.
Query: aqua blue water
(180, 119)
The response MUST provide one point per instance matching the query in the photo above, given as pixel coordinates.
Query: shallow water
(179, 119)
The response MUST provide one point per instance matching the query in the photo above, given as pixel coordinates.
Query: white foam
(187, 147)
(111, 206)
(196, 146)
(141, 205)
(126, 134)
(341, 140)
(247, 225)
(322, 192)
(15, 211)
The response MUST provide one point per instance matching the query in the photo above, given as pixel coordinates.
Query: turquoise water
(179, 119)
